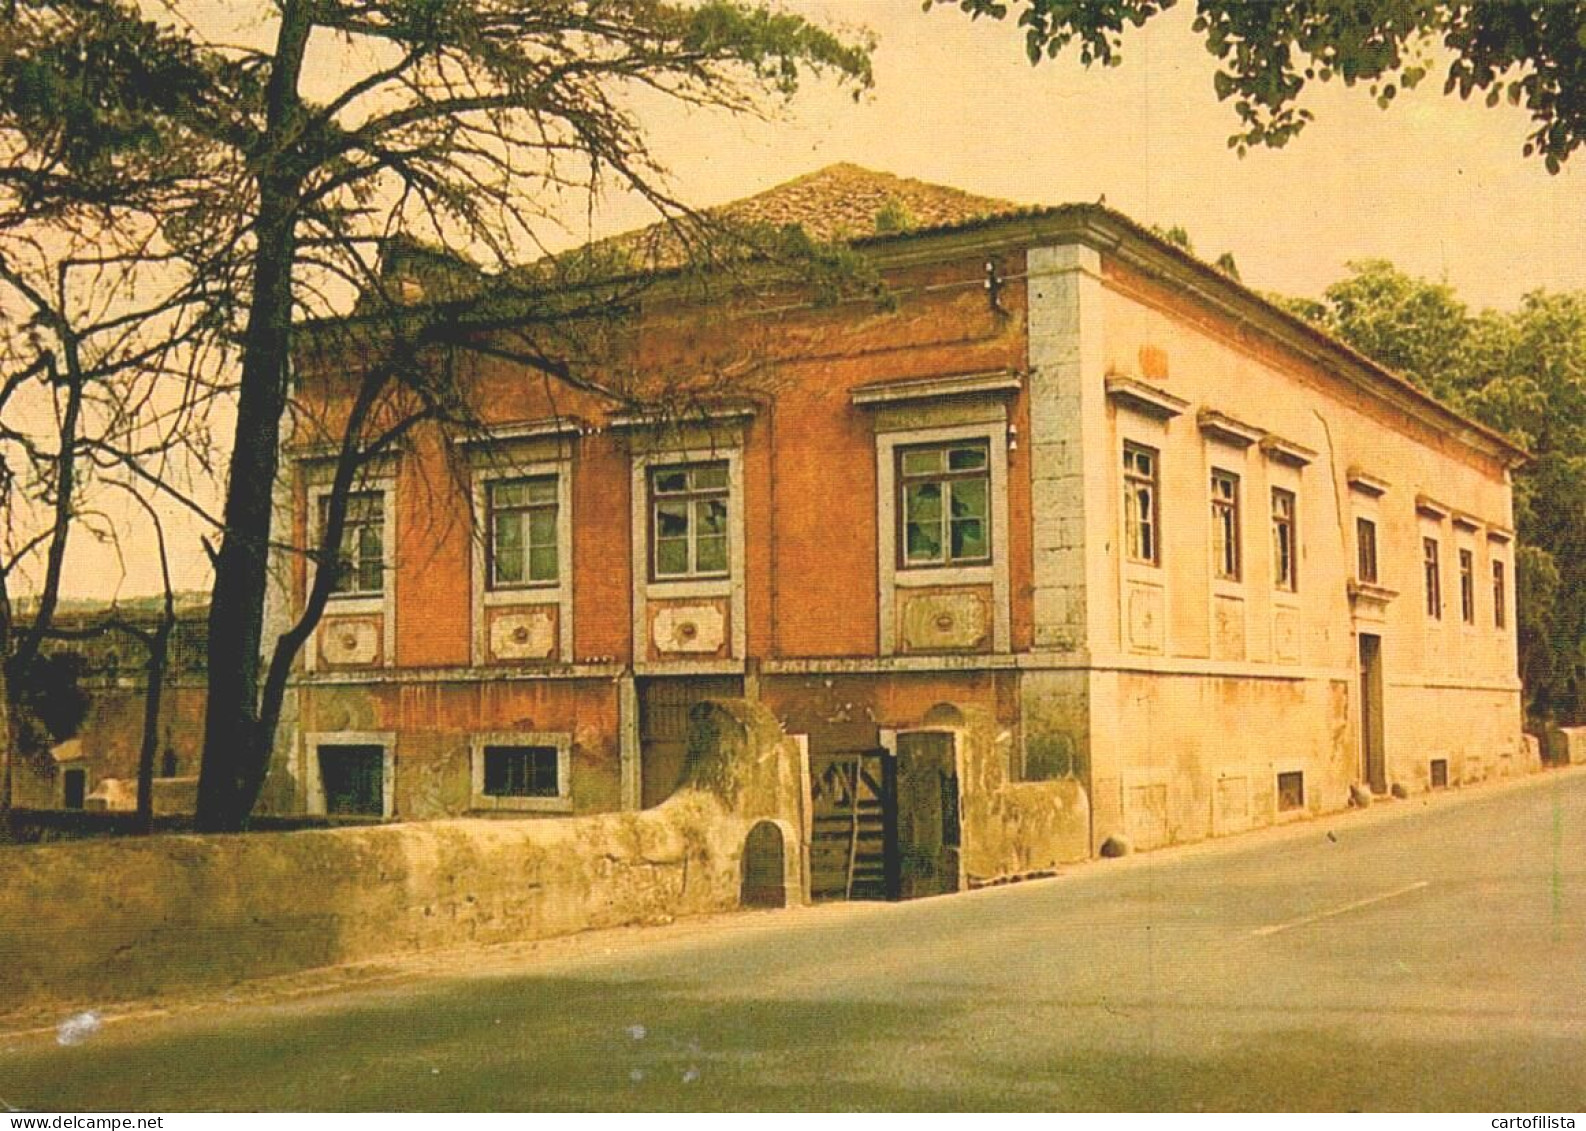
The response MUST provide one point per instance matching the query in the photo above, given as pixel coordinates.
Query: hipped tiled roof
(847, 202)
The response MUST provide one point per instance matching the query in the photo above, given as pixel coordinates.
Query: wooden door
(928, 832)
(1373, 755)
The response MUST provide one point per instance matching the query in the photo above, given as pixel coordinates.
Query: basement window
(522, 771)
(1291, 791)
(352, 777)
(1439, 773)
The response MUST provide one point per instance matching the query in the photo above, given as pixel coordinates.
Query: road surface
(1426, 955)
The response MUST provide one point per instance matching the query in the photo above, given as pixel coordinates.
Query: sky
(1436, 185)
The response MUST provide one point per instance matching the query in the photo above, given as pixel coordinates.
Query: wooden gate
(854, 833)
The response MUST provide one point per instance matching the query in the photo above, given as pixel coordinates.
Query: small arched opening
(764, 867)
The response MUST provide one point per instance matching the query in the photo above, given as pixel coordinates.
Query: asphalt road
(1424, 955)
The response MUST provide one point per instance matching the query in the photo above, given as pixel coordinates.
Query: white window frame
(561, 741)
(382, 604)
(1291, 522)
(1234, 507)
(993, 573)
(314, 784)
(1153, 560)
(1464, 546)
(1433, 596)
(1504, 590)
(730, 586)
(559, 593)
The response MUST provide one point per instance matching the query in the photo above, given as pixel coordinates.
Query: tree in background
(1533, 55)
(1523, 373)
(285, 163)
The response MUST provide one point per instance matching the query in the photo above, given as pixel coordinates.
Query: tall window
(946, 497)
(1225, 525)
(1499, 615)
(1139, 504)
(523, 539)
(360, 565)
(1284, 569)
(1434, 578)
(688, 507)
(1366, 550)
(1467, 586)
(522, 771)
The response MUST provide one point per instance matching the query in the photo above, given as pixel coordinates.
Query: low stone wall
(98, 921)
(1014, 829)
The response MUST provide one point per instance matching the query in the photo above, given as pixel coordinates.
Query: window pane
(511, 493)
(922, 502)
(671, 520)
(711, 554)
(969, 498)
(508, 549)
(672, 481)
(542, 527)
(543, 782)
(370, 557)
(923, 543)
(922, 462)
(713, 478)
(363, 506)
(540, 490)
(711, 515)
(969, 538)
(671, 556)
(966, 459)
(542, 563)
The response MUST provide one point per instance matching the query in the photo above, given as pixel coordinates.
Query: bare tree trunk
(158, 651)
(236, 750)
(158, 643)
(6, 753)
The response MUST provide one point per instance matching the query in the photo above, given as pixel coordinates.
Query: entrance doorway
(74, 788)
(928, 830)
(1373, 756)
(854, 829)
(885, 826)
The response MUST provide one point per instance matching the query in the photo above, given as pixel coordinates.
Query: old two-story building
(1074, 538)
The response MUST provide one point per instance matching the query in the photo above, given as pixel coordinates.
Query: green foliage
(1524, 374)
(1177, 235)
(1413, 327)
(894, 216)
(1533, 55)
(48, 700)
